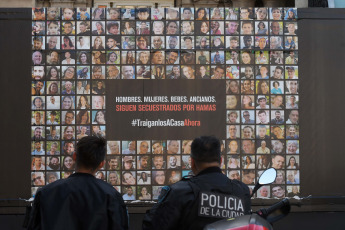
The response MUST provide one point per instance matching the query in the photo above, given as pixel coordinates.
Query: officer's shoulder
(240, 184)
(182, 185)
(175, 191)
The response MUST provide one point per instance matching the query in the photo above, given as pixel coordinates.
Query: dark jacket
(186, 204)
(79, 202)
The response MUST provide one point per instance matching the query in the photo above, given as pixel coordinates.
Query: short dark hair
(262, 111)
(206, 149)
(84, 24)
(112, 37)
(90, 152)
(68, 22)
(245, 172)
(39, 10)
(247, 37)
(68, 142)
(111, 24)
(143, 10)
(38, 38)
(281, 68)
(218, 67)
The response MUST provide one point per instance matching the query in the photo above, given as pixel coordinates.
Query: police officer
(81, 201)
(205, 198)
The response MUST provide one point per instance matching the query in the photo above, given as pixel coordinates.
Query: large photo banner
(150, 80)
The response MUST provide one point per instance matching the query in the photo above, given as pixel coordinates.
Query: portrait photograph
(187, 42)
(128, 27)
(290, 28)
(113, 72)
(234, 174)
(98, 130)
(83, 28)
(248, 162)
(291, 43)
(261, 57)
(53, 13)
(174, 162)
(232, 146)
(143, 13)
(277, 72)
(144, 193)
(144, 162)
(128, 147)
(276, 13)
(68, 42)
(173, 176)
(187, 13)
(128, 42)
(172, 13)
(292, 162)
(68, 28)
(129, 163)
(143, 147)
(277, 87)
(83, 13)
(83, 131)
(232, 72)
(248, 131)
(217, 13)
(159, 177)
(292, 132)
(129, 193)
(263, 132)
(293, 191)
(263, 147)
(261, 28)
(37, 148)
(98, 13)
(38, 58)
(113, 13)
(233, 131)
(186, 146)
(128, 13)
(156, 191)
(37, 179)
(53, 43)
(157, 13)
(144, 177)
(53, 132)
(248, 117)
(113, 147)
(233, 162)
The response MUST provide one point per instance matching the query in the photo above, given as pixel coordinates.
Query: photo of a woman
(68, 164)
(98, 43)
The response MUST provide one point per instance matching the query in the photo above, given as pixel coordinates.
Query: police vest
(216, 202)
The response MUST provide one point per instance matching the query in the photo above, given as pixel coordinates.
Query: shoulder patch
(164, 193)
(187, 177)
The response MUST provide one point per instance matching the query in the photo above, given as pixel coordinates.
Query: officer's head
(206, 151)
(90, 153)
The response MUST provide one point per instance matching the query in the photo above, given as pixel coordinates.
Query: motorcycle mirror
(268, 176)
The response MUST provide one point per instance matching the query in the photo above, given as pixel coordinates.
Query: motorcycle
(261, 219)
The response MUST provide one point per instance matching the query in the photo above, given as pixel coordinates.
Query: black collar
(210, 170)
(78, 174)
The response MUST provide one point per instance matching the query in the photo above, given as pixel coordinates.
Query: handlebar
(263, 212)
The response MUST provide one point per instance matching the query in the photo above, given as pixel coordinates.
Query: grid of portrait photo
(254, 51)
